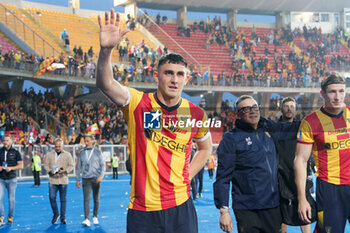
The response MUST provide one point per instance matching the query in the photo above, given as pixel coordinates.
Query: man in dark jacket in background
(287, 187)
(247, 158)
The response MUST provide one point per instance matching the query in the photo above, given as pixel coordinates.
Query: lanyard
(89, 157)
(57, 157)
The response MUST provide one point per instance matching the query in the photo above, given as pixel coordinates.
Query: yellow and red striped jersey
(160, 140)
(330, 137)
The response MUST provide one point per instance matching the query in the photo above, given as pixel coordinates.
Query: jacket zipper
(267, 161)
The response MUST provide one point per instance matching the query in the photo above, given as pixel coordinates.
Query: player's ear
(322, 93)
(156, 76)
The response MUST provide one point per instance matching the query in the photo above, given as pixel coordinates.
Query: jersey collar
(169, 109)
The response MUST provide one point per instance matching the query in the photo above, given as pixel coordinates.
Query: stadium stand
(135, 37)
(263, 34)
(80, 30)
(217, 59)
(25, 27)
(195, 45)
(6, 45)
(331, 48)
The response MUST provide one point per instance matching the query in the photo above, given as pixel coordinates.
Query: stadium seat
(24, 26)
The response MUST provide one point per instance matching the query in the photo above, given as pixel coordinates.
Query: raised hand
(110, 34)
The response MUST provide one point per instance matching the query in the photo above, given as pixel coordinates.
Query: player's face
(171, 79)
(288, 110)
(248, 112)
(7, 143)
(334, 96)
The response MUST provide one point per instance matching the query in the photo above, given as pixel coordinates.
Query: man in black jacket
(10, 161)
(247, 158)
(288, 189)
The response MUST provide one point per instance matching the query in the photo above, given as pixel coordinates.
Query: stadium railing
(108, 151)
(34, 40)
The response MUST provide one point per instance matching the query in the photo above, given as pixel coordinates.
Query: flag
(55, 66)
(43, 66)
(93, 129)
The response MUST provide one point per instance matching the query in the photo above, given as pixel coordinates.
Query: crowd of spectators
(28, 118)
(13, 118)
(319, 55)
(140, 71)
(78, 117)
(74, 65)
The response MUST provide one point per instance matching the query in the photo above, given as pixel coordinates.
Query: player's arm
(110, 36)
(201, 157)
(302, 155)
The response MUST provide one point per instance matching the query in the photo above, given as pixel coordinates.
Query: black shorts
(259, 221)
(179, 219)
(333, 207)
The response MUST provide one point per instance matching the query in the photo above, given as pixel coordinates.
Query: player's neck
(168, 101)
(333, 111)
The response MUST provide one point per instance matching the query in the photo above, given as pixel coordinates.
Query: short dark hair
(287, 99)
(173, 58)
(332, 79)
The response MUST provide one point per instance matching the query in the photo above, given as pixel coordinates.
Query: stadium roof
(269, 7)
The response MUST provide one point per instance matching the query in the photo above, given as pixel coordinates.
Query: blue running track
(33, 212)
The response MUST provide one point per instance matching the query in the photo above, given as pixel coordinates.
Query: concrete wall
(326, 27)
(80, 12)
(240, 24)
(17, 3)
(47, 7)
(257, 24)
(299, 19)
(87, 13)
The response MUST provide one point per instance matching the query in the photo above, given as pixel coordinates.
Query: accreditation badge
(87, 166)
